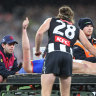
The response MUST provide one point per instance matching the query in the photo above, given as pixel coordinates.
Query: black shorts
(59, 63)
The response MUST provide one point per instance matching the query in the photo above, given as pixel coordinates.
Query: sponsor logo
(62, 40)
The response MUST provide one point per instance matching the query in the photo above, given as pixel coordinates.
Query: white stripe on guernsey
(71, 52)
(50, 47)
(62, 47)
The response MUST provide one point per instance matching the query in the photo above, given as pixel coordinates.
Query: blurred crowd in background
(13, 12)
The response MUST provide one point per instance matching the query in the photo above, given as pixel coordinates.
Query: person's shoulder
(48, 19)
(77, 45)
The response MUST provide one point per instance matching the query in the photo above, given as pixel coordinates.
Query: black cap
(8, 39)
(84, 22)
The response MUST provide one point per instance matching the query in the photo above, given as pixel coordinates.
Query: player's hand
(25, 23)
(38, 53)
(20, 65)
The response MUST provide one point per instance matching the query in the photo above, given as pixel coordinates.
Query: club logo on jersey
(62, 40)
(1, 60)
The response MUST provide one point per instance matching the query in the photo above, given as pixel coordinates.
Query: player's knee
(85, 66)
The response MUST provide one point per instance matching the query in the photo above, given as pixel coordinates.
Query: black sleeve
(78, 53)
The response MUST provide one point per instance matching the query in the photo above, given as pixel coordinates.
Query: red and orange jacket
(80, 52)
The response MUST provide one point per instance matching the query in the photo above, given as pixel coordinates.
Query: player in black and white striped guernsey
(58, 61)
